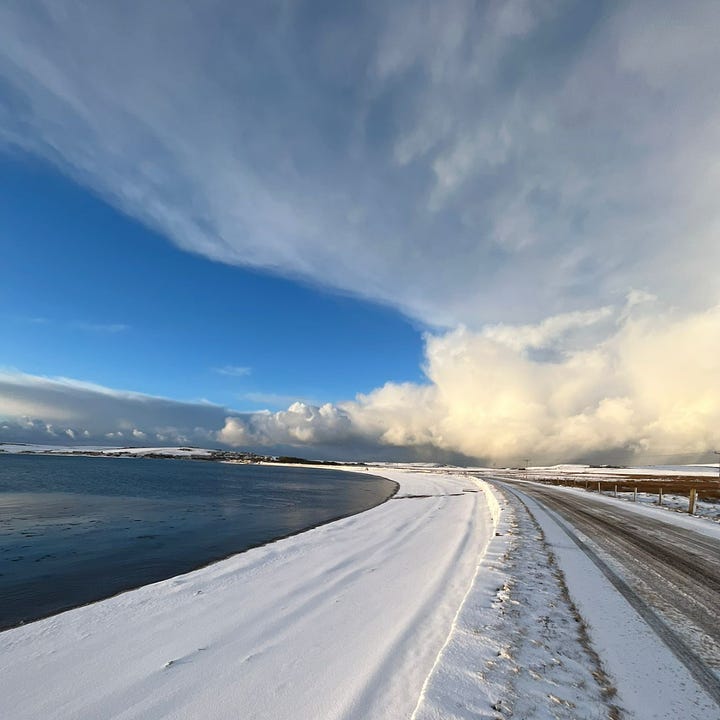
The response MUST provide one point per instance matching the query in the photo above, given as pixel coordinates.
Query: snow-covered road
(648, 584)
(343, 621)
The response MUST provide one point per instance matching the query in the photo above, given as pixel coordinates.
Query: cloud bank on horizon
(522, 177)
(648, 390)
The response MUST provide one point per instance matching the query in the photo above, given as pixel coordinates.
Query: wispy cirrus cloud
(466, 162)
(101, 328)
(233, 370)
(110, 328)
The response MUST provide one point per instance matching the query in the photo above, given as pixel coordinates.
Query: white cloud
(465, 163)
(508, 172)
(300, 424)
(31, 406)
(35, 406)
(548, 332)
(647, 391)
(275, 399)
(233, 370)
(109, 328)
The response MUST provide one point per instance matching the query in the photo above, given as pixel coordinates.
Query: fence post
(599, 490)
(660, 496)
(691, 502)
(616, 491)
(634, 494)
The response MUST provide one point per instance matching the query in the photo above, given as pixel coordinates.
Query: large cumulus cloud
(647, 391)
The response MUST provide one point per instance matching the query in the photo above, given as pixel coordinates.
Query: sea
(74, 530)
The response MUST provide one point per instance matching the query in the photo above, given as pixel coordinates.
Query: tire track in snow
(324, 585)
(694, 664)
(517, 648)
(406, 640)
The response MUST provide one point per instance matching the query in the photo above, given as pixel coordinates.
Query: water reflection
(74, 530)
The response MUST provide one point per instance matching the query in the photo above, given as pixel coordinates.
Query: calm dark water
(74, 530)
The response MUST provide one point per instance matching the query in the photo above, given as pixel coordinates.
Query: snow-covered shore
(343, 621)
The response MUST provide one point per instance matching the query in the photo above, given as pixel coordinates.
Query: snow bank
(343, 621)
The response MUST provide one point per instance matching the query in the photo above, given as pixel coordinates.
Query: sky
(462, 231)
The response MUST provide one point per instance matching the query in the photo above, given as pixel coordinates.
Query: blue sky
(102, 298)
(479, 230)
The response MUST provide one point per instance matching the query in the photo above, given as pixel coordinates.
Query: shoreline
(218, 559)
(343, 620)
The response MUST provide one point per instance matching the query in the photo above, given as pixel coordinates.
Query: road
(670, 574)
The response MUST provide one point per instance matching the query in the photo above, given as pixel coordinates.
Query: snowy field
(645, 501)
(103, 450)
(674, 503)
(698, 470)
